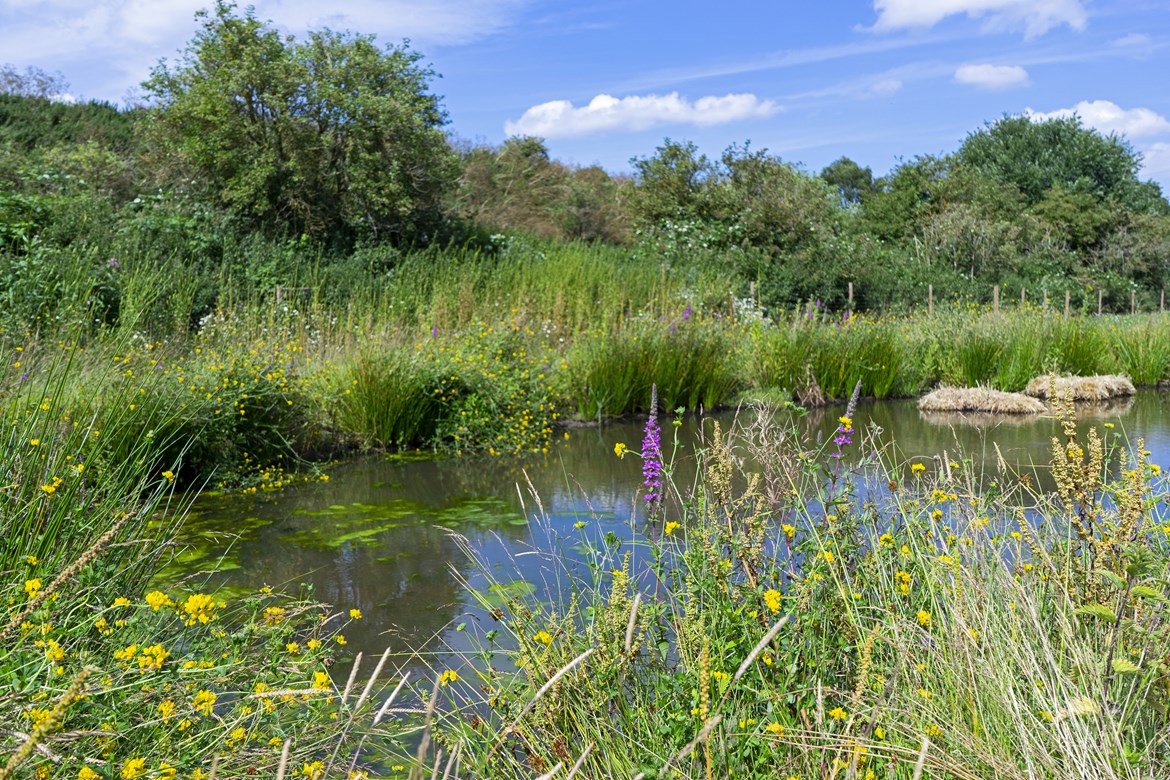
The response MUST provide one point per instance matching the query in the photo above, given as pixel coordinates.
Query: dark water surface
(377, 536)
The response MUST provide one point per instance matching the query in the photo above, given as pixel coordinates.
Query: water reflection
(375, 536)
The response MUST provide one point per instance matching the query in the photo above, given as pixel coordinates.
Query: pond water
(375, 535)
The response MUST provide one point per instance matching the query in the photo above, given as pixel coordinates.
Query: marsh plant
(782, 617)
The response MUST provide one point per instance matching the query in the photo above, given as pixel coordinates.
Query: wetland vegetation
(193, 306)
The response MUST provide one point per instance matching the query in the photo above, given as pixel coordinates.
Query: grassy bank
(471, 352)
(896, 607)
(778, 620)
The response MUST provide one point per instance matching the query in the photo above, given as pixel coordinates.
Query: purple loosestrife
(652, 451)
(844, 434)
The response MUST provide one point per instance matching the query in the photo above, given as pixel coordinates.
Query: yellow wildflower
(924, 618)
(133, 767)
(356, 614)
(671, 527)
(203, 702)
(157, 600)
(772, 599)
(447, 677)
(153, 657)
(620, 449)
(200, 608)
(838, 713)
(544, 637)
(32, 587)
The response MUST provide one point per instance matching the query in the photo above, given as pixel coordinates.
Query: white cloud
(1156, 162)
(1036, 17)
(886, 87)
(110, 45)
(560, 118)
(1133, 40)
(992, 76)
(1108, 117)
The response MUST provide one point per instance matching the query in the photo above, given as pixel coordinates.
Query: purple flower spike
(687, 312)
(652, 451)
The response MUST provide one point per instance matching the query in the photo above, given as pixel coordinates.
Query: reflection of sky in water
(374, 535)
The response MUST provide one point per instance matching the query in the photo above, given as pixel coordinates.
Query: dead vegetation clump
(979, 399)
(1081, 388)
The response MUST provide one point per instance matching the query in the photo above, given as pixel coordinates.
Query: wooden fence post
(1100, 296)
(995, 297)
(1066, 297)
(1133, 301)
(930, 299)
(1023, 296)
(1162, 306)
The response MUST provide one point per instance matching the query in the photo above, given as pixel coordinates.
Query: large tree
(1037, 156)
(332, 136)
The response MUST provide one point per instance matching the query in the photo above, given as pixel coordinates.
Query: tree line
(337, 144)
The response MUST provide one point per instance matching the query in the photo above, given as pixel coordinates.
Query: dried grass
(1082, 388)
(979, 399)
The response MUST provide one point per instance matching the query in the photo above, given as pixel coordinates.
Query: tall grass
(1143, 352)
(391, 401)
(932, 632)
(693, 362)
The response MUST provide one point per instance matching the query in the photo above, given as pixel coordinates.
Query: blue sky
(605, 81)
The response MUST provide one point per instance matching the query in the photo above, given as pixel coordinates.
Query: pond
(376, 535)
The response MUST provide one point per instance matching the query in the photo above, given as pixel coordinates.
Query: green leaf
(1124, 666)
(1098, 611)
(1112, 578)
(1146, 592)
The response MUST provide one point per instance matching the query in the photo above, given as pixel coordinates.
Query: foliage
(517, 188)
(331, 136)
(1036, 157)
(851, 181)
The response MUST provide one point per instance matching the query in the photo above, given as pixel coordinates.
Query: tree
(331, 136)
(850, 180)
(1036, 157)
(33, 82)
(670, 183)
